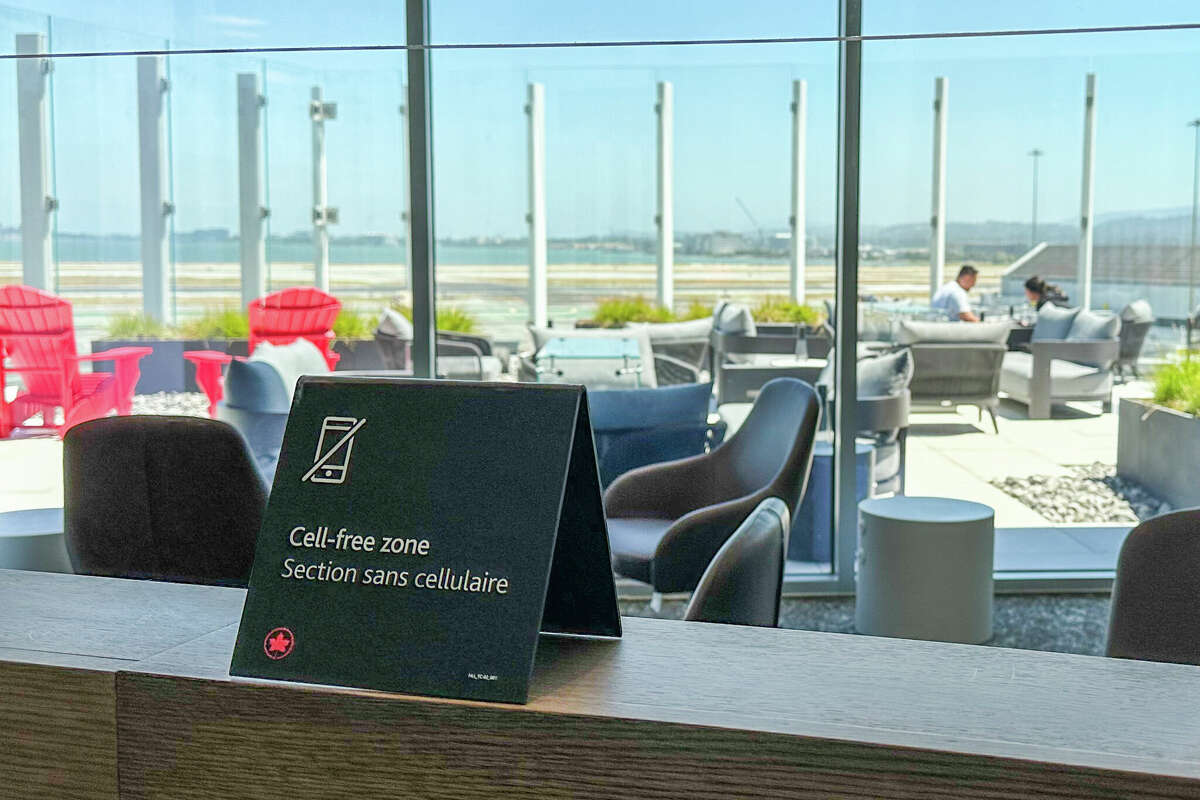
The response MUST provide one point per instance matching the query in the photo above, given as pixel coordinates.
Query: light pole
(1192, 250)
(1036, 153)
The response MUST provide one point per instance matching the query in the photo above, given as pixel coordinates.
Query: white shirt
(951, 299)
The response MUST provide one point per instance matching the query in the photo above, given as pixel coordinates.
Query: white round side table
(924, 569)
(33, 539)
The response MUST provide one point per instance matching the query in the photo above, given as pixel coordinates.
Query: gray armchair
(1070, 358)
(956, 363)
(667, 521)
(746, 355)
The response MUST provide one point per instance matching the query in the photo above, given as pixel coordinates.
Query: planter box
(1160, 450)
(165, 369)
(358, 354)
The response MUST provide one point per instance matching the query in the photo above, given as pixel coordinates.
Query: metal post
(405, 214)
(1191, 307)
(665, 219)
(937, 221)
(535, 109)
(322, 215)
(420, 188)
(798, 222)
(1083, 277)
(1036, 153)
(152, 154)
(252, 211)
(33, 137)
(845, 502)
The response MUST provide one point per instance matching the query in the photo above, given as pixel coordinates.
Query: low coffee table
(33, 539)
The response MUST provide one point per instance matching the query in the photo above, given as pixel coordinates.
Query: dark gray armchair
(161, 498)
(1153, 615)
(667, 521)
(742, 585)
(745, 354)
(956, 363)
(460, 356)
(1136, 321)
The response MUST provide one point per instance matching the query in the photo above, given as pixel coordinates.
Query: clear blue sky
(732, 122)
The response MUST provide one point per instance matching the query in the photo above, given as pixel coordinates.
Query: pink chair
(279, 318)
(289, 314)
(37, 341)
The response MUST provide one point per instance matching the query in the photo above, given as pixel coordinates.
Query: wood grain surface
(672, 710)
(58, 732)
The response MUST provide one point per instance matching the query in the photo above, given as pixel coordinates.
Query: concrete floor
(952, 453)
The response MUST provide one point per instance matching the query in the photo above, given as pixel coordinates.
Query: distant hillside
(1169, 227)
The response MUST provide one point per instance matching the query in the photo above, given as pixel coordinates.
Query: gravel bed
(1061, 623)
(1091, 493)
(186, 404)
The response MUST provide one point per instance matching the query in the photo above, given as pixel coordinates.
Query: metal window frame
(420, 187)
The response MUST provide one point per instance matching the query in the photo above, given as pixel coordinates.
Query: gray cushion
(1053, 323)
(913, 331)
(1090, 325)
(885, 375)
(1067, 379)
(393, 323)
(735, 319)
(879, 376)
(1137, 311)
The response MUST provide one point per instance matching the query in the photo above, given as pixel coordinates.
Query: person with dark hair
(1038, 292)
(952, 298)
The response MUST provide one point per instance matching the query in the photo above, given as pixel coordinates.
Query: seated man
(952, 300)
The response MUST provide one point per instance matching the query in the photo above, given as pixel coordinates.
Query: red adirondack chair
(290, 314)
(37, 339)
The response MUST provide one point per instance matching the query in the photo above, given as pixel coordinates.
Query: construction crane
(762, 237)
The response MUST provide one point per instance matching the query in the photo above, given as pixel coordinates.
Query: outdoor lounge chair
(884, 401)
(290, 314)
(742, 585)
(1136, 321)
(1153, 614)
(636, 427)
(37, 340)
(1070, 358)
(746, 355)
(460, 356)
(956, 363)
(667, 521)
(161, 498)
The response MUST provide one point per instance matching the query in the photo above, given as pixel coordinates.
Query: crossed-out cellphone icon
(331, 463)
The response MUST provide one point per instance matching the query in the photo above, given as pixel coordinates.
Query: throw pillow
(393, 323)
(1093, 325)
(1053, 323)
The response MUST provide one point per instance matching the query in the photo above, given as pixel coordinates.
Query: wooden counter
(98, 674)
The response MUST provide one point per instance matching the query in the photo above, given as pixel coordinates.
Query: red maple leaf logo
(279, 643)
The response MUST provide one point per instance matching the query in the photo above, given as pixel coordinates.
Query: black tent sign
(420, 534)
